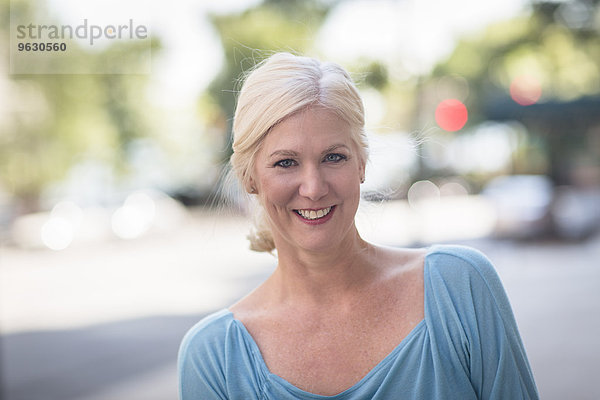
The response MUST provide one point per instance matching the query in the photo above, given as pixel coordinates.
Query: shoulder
(208, 334)
(458, 262)
(458, 254)
(463, 278)
(202, 361)
(464, 275)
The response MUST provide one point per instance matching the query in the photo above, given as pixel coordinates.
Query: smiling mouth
(314, 214)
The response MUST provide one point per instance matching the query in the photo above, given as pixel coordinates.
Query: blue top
(466, 347)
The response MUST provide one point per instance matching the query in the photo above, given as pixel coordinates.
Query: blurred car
(576, 212)
(529, 206)
(523, 205)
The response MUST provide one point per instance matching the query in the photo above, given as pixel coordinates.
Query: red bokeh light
(525, 90)
(451, 115)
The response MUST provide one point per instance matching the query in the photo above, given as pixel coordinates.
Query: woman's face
(307, 175)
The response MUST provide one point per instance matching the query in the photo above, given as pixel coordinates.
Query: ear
(361, 171)
(251, 187)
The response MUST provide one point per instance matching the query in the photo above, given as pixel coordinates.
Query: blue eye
(285, 163)
(335, 157)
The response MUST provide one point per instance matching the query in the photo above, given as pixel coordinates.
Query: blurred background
(484, 124)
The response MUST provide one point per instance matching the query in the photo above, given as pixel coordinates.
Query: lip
(319, 221)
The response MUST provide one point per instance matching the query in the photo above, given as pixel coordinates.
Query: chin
(319, 242)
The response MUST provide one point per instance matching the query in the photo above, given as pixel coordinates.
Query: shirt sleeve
(201, 362)
(483, 333)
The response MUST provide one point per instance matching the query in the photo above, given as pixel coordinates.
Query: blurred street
(103, 322)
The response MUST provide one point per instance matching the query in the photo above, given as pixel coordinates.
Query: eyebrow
(283, 153)
(335, 147)
(291, 153)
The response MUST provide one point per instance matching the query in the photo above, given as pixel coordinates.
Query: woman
(341, 318)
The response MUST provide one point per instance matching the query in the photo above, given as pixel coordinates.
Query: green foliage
(565, 61)
(55, 121)
(558, 45)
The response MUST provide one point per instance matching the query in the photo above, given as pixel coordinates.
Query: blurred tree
(375, 75)
(252, 35)
(556, 52)
(52, 122)
(563, 58)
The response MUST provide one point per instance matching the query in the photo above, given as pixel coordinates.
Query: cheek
(347, 178)
(352, 186)
(345, 186)
(277, 190)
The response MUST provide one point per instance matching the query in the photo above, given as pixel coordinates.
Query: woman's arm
(200, 363)
(487, 338)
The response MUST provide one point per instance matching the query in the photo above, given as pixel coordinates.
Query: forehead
(314, 126)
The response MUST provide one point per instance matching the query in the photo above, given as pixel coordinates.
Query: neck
(321, 278)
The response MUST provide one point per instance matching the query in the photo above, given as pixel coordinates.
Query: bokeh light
(453, 189)
(57, 233)
(525, 90)
(135, 217)
(422, 191)
(59, 230)
(451, 115)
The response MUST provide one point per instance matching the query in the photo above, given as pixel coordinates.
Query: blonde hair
(278, 87)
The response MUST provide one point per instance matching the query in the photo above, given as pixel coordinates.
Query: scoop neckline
(268, 375)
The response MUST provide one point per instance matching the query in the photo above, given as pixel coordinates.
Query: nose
(313, 185)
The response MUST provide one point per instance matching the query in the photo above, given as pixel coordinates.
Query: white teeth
(312, 214)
